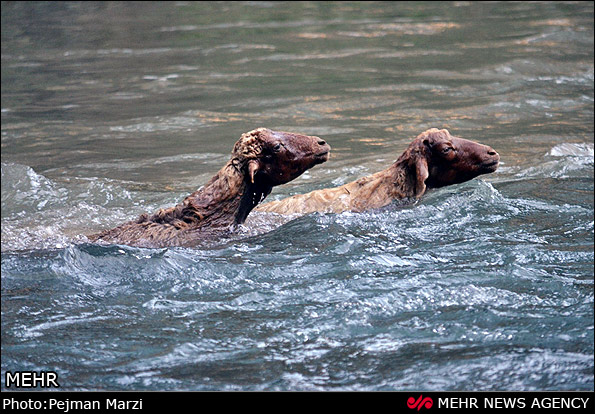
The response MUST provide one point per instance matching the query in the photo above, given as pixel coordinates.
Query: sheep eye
(277, 147)
(447, 149)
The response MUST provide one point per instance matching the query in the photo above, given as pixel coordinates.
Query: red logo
(420, 402)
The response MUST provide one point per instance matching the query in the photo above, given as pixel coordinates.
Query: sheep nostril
(492, 152)
(321, 142)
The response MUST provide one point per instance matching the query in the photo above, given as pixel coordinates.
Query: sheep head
(441, 159)
(269, 158)
(272, 157)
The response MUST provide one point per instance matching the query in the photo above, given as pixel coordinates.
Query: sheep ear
(422, 174)
(253, 167)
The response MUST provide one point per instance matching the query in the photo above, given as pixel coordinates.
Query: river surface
(113, 109)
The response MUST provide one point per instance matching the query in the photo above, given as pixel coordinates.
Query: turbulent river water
(113, 109)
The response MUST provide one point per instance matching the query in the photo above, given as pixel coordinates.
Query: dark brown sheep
(434, 159)
(261, 159)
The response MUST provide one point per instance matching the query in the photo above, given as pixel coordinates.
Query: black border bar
(404, 401)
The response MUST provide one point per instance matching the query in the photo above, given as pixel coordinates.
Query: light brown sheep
(261, 159)
(434, 159)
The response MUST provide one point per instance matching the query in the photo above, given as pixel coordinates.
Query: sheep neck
(379, 189)
(225, 200)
